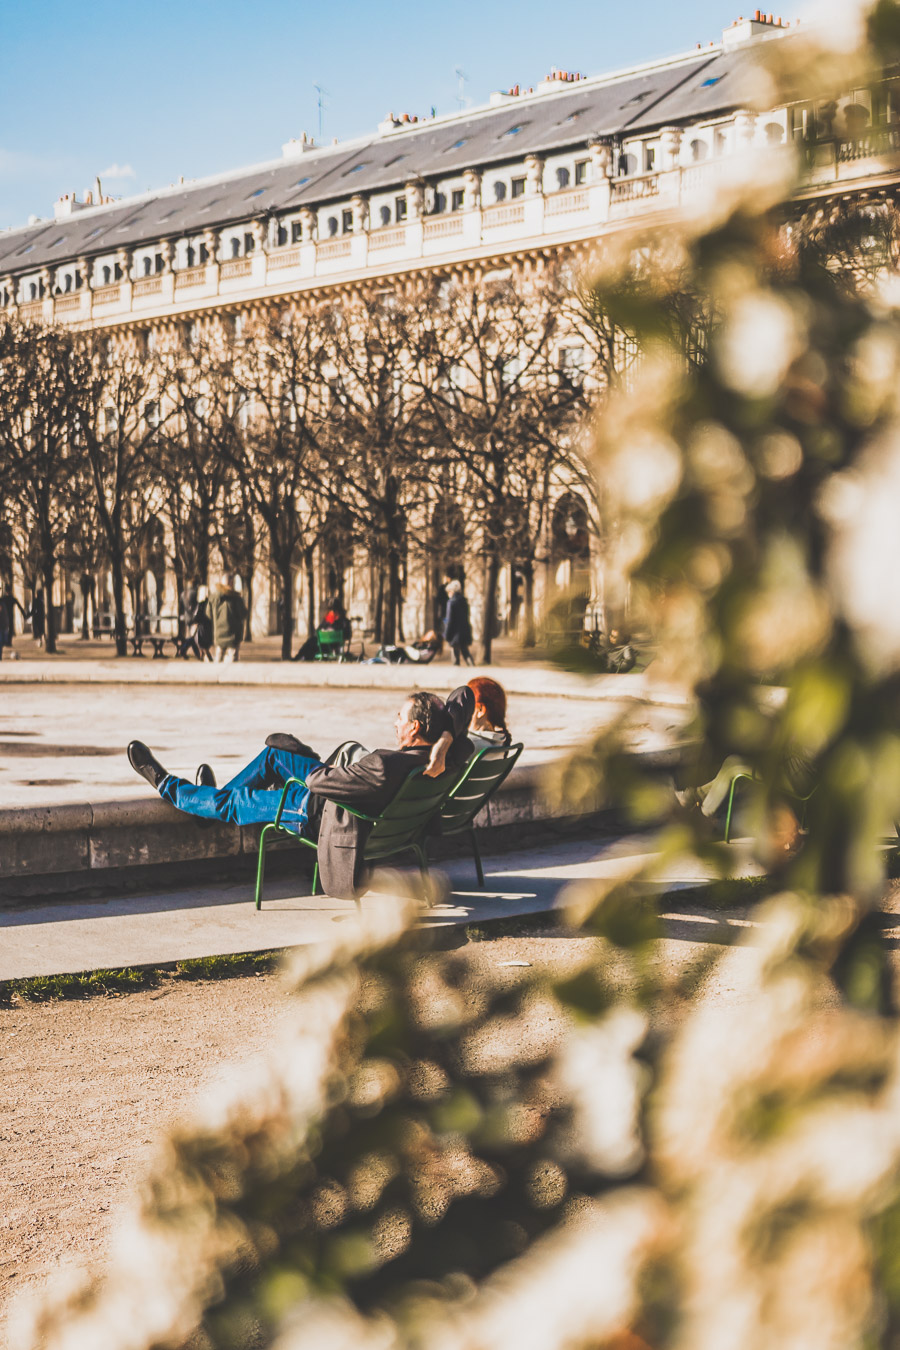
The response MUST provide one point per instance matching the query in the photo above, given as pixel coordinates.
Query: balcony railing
(633, 189)
(235, 267)
(31, 312)
(190, 276)
(562, 203)
(335, 248)
(107, 295)
(388, 238)
(147, 286)
(494, 217)
(443, 229)
(67, 304)
(283, 257)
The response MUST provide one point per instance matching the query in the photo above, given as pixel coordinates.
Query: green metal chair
(801, 801)
(400, 827)
(483, 774)
(330, 644)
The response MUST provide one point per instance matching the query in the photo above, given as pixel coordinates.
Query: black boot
(205, 777)
(144, 763)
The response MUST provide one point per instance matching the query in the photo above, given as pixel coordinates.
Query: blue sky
(141, 94)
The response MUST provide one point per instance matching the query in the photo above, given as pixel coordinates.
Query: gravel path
(87, 1087)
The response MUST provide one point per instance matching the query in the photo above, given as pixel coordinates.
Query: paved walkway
(156, 927)
(65, 742)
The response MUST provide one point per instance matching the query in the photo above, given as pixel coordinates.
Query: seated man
(369, 784)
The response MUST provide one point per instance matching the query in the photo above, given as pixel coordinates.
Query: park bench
(483, 774)
(399, 828)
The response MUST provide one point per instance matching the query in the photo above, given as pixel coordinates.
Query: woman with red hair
(488, 724)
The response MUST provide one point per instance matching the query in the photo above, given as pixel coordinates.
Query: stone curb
(533, 680)
(60, 848)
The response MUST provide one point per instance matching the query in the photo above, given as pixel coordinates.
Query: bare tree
(380, 352)
(40, 440)
(499, 408)
(116, 392)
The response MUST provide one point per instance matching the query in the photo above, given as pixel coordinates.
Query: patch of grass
(733, 893)
(523, 925)
(107, 983)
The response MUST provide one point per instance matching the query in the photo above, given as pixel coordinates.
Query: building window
(159, 263)
(147, 267)
(204, 253)
(627, 165)
(571, 366)
(67, 283)
(332, 226)
(400, 208)
(457, 199)
(385, 215)
(649, 158)
(190, 255)
(117, 272)
(499, 192)
(774, 133)
(562, 178)
(720, 141)
(518, 187)
(107, 275)
(346, 222)
(699, 151)
(281, 236)
(235, 247)
(296, 231)
(440, 203)
(32, 290)
(581, 171)
(249, 243)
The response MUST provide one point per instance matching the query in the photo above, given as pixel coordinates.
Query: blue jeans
(252, 796)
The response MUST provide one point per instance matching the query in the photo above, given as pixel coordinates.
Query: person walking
(457, 625)
(8, 605)
(37, 615)
(228, 613)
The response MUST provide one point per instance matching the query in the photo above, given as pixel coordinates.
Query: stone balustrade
(570, 215)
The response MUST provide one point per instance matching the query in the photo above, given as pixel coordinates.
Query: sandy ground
(87, 1087)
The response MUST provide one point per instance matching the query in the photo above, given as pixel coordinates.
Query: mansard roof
(685, 89)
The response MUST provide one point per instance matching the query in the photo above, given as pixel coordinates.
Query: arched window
(235, 247)
(67, 282)
(332, 226)
(148, 264)
(562, 178)
(385, 214)
(774, 133)
(107, 275)
(499, 192)
(699, 151)
(32, 290)
(190, 255)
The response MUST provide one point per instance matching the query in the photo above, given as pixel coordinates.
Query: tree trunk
(309, 562)
(49, 624)
(528, 638)
(379, 607)
(247, 593)
(491, 577)
(118, 590)
(86, 586)
(285, 577)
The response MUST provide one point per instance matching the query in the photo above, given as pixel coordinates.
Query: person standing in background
(457, 626)
(228, 613)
